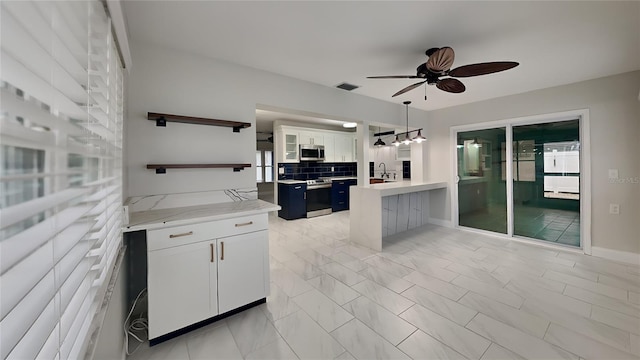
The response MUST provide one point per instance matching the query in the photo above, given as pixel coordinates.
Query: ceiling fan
(439, 64)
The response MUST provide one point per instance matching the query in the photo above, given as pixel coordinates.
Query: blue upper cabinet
(340, 194)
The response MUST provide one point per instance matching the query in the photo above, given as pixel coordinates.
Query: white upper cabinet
(344, 148)
(287, 146)
(329, 148)
(311, 138)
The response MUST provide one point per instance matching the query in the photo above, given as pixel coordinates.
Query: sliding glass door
(482, 194)
(546, 182)
(542, 201)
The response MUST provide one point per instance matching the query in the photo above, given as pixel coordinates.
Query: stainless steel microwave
(311, 152)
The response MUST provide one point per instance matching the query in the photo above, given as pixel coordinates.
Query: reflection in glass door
(482, 194)
(546, 184)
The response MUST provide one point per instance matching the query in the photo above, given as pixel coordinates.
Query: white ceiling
(329, 42)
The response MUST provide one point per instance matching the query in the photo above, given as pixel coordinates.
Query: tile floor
(434, 293)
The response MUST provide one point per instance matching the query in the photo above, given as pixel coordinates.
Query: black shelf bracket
(161, 170)
(161, 121)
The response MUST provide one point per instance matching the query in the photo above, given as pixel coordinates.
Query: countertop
(155, 219)
(292, 182)
(402, 187)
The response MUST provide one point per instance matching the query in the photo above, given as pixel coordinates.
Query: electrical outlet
(280, 171)
(614, 209)
(613, 173)
(332, 169)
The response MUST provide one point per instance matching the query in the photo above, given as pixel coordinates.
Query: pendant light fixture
(396, 142)
(407, 139)
(419, 138)
(379, 142)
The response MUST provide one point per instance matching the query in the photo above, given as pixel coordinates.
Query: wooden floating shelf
(162, 168)
(162, 119)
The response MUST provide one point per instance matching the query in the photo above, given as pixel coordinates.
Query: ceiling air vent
(347, 86)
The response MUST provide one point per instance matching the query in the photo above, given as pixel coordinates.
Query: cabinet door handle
(222, 250)
(245, 224)
(305, 195)
(298, 187)
(179, 235)
(341, 192)
(212, 257)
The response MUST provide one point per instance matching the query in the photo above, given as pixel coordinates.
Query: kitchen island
(381, 210)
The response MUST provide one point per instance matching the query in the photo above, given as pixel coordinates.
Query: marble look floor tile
(251, 330)
(634, 297)
(446, 331)
(440, 304)
(523, 344)
(383, 296)
(582, 345)
(497, 352)
(314, 257)
(385, 279)
(381, 320)
(290, 283)
(334, 289)
(307, 339)
(302, 268)
(619, 282)
(586, 326)
(506, 275)
(438, 286)
(275, 351)
(529, 323)
(342, 273)
(530, 291)
(278, 304)
(595, 287)
(604, 301)
(388, 266)
(320, 308)
(635, 344)
(349, 261)
(174, 349)
(345, 356)
(477, 274)
(616, 319)
(358, 252)
(494, 292)
(422, 346)
(281, 254)
(216, 343)
(364, 343)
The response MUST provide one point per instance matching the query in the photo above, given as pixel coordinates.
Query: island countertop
(160, 218)
(401, 187)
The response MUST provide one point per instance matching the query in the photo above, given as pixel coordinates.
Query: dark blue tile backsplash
(311, 170)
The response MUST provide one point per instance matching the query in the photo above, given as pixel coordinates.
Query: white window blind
(61, 116)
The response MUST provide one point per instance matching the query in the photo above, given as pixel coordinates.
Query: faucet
(384, 170)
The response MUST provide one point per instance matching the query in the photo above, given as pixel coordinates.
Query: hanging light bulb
(379, 142)
(419, 138)
(407, 139)
(396, 142)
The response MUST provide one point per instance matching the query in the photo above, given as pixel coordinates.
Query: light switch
(280, 170)
(613, 173)
(614, 209)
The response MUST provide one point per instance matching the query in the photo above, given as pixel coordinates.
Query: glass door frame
(582, 115)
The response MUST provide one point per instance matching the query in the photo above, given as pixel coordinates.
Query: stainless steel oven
(318, 198)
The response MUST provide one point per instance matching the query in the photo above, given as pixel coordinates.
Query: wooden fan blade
(451, 85)
(441, 60)
(408, 88)
(394, 77)
(482, 68)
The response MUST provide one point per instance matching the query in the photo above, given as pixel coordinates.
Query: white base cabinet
(198, 271)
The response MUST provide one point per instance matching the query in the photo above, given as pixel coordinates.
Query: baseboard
(616, 255)
(440, 222)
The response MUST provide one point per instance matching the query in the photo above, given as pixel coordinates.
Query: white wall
(168, 81)
(614, 112)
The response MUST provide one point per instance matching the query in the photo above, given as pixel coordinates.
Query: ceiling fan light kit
(439, 64)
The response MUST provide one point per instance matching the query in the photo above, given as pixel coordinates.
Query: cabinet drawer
(179, 235)
(189, 234)
(241, 225)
